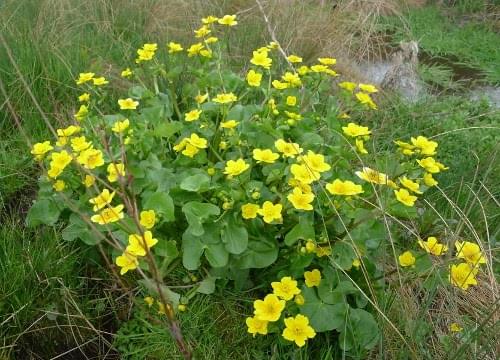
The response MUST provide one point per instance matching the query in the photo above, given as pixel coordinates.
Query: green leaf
(167, 129)
(323, 316)
(197, 213)
(343, 254)
(235, 236)
(192, 249)
(75, 227)
(207, 286)
(216, 254)
(361, 331)
(166, 249)
(161, 203)
(44, 211)
(259, 254)
(196, 183)
(331, 294)
(303, 230)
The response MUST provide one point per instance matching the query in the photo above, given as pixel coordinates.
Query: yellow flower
(404, 197)
(429, 164)
(355, 130)
(294, 59)
(138, 244)
(406, 259)
(148, 218)
(347, 85)
(323, 251)
(426, 146)
(40, 149)
(59, 185)
(254, 78)
(266, 156)
(126, 262)
(209, 19)
(201, 32)
(432, 246)
(69, 131)
(101, 200)
(365, 99)
(304, 174)
(470, 252)
(270, 212)
(372, 176)
(197, 141)
(80, 143)
(327, 61)
(410, 185)
(60, 160)
(225, 98)
(200, 99)
(82, 113)
(455, 327)
(108, 215)
(303, 70)
(146, 53)
(230, 124)
(429, 180)
(192, 115)
(291, 100)
(235, 168)
(356, 263)
(292, 79)
(315, 162)
(368, 88)
(91, 158)
(298, 330)
(249, 211)
(88, 181)
(174, 47)
(345, 188)
(310, 246)
(300, 200)
(287, 149)
(279, 85)
(128, 104)
(85, 97)
(126, 73)
(229, 20)
(260, 58)
(100, 81)
(195, 49)
(149, 300)
(286, 288)
(293, 116)
(190, 150)
(115, 170)
(299, 299)
(360, 146)
(405, 148)
(256, 326)
(268, 309)
(463, 275)
(120, 126)
(211, 40)
(84, 77)
(312, 278)
(319, 68)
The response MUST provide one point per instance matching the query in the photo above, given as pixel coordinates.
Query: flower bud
(299, 299)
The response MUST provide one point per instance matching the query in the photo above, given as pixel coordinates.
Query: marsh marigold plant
(265, 173)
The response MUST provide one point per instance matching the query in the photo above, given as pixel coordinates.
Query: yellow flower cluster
(138, 244)
(191, 146)
(270, 309)
(363, 94)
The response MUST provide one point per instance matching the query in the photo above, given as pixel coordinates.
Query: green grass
(51, 42)
(474, 44)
